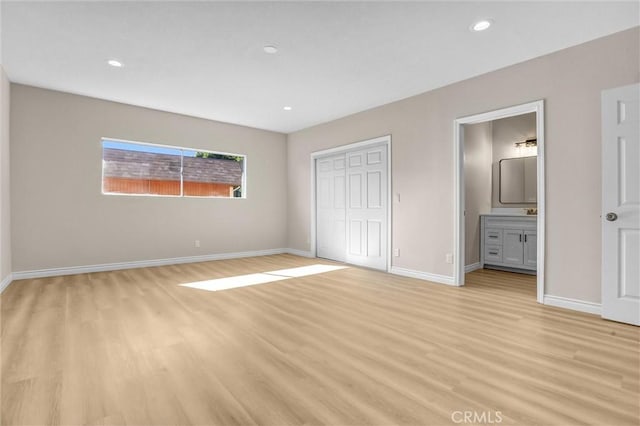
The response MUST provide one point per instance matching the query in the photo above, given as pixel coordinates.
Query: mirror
(518, 180)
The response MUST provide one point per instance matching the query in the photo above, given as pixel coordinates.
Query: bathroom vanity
(509, 242)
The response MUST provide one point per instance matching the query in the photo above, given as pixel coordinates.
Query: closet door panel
(374, 238)
(355, 190)
(351, 207)
(374, 190)
(355, 237)
(331, 238)
(367, 210)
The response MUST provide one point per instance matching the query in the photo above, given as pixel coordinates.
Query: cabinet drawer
(493, 236)
(492, 253)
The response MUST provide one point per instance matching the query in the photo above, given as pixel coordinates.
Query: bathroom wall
(477, 181)
(505, 133)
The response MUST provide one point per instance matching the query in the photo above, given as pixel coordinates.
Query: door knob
(611, 217)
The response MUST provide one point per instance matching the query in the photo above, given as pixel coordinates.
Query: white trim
(441, 279)
(301, 253)
(458, 155)
(573, 304)
(161, 145)
(472, 267)
(312, 202)
(351, 146)
(73, 270)
(5, 282)
(382, 140)
(458, 203)
(541, 200)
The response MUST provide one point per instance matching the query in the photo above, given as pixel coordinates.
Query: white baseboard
(557, 301)
(73, 270)
(573, 304)
(442, 279)
(297, 252)
(5, 282)
(472, 267)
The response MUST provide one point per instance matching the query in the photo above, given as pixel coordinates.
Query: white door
(621, 204)
(330, 207)
(367, 207)
(351, 206)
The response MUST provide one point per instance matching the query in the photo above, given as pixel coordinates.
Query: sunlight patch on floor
(261, 278)
(303, 271)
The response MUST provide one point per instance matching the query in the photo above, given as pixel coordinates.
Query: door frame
(382, 140)
(459, 190)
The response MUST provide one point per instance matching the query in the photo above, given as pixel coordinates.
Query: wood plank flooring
(348, 347)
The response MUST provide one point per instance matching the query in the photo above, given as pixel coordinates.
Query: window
(145, 169)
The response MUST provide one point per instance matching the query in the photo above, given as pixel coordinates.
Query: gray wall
(477, 184)
(61, 219)
(570, 81)
(5, 199)
(506, 132)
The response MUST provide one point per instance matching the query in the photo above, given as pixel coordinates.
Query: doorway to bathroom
(499, 193)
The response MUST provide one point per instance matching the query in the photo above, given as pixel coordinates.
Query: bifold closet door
(351, 207)
(367, 207)
(330, 208)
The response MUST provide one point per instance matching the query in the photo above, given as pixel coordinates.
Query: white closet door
(330, 205)
(367, 207)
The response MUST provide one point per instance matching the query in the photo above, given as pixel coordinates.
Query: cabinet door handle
(520, 237)
(525, 238)
(494, 253)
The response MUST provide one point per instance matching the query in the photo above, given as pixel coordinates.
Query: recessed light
(114, 63)
(481, 25)
(270, 49)
(287, 108)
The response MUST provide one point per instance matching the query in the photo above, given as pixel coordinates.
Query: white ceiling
(206, 59)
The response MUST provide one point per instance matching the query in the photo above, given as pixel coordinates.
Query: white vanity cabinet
(508, 242)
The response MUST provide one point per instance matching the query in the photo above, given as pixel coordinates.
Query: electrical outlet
(448, 258)
(196, 243)
(396, 252)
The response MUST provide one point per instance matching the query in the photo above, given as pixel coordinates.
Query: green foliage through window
(218, 156)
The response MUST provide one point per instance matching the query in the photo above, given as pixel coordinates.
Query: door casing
(458, 186)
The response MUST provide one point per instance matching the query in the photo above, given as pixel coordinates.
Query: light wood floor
(349, 347)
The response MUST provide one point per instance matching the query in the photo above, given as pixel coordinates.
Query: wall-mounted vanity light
(527, 148)
(529, 143)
